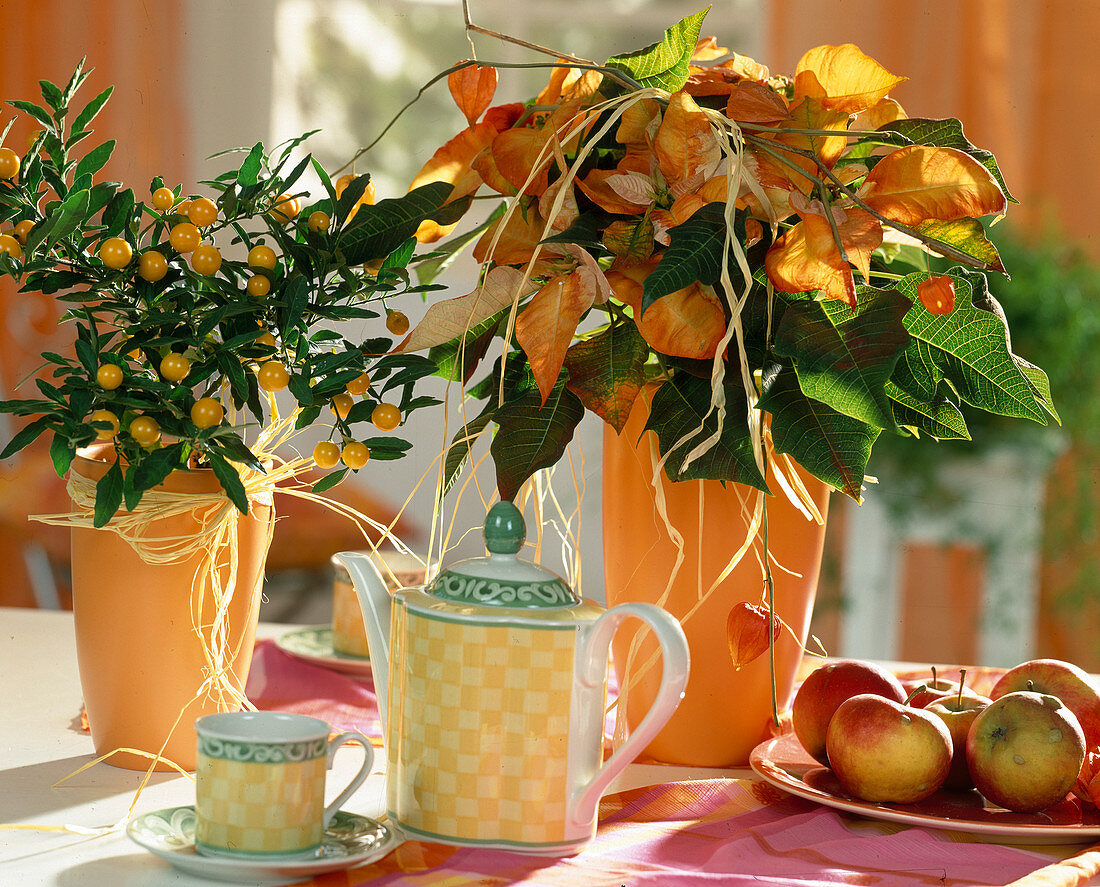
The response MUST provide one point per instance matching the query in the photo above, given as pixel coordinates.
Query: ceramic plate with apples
(1012, 755)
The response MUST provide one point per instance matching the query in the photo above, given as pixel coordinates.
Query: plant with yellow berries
(190, 312)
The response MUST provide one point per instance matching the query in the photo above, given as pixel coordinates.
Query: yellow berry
(355, 455)
(115, 252)
(184, 237)
(108, 376)
(206, 259)
(318, 221)
(175, 367)
(273, 376)
(202, 212)
(262, 257)
(258, 286)
(9, 163)
(108, 417)
(145, 430)
(326, 454)
(22, 229)
(285, 208)
(163, 198)
(207, 412)
(266, 339)
(152, 266)
(397, 323)
(385, 417)
(10, 245)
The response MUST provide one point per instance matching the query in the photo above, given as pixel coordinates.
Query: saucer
(314, 645)
(349, 840)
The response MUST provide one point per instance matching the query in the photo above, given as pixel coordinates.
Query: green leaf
(87, 355)
(530, 436)
(349, 197)
(678, 409)
(156, 466)
(108, 495)
(387, 448)
(694, 254)
(844, 357)
(52, 94)
(61, 222)
(430, 266)
(461, 444)
(608, 370)
(26, 435)
(330, 480)
(968, 348)
(230, 480)
(939, 418)
(1040, 386)
(94, 160)
(831, 446)
(36, 111)
(233, 448)
(664, 64)
(117, 214)
(249, 173)
(966, 235)
(947, 133)
(91, 110)
(61, 453)
(377, 230)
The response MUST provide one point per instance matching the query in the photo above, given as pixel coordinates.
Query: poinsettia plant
(189, 312)
(753, 246)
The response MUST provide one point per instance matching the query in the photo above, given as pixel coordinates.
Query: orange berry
(9, 163)
(175, 367)
(266, 339)
(355, 455)
(163, 198)
(397, 323)
(10, 245)
(261, 256)
(145, 430)
(342, 404)
(326, 454)
(22, 229)
(116, 253)
(184, 237)
(202, 212)
(359, 385)
(385, 417)
(273, 376)
(343, 182)
(318, 221)
(206, 259)
(152, 266)
(285, 208)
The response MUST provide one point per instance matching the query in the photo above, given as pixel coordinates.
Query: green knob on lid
(505, 530)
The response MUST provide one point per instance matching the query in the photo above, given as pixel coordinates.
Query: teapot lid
(502, 579)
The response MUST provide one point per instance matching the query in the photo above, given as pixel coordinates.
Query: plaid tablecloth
(709, 831)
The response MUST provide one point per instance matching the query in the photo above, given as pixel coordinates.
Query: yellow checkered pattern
(259, 808)
(348, 633)
(479, 742)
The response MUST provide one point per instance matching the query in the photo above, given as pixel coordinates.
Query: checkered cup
(260, 783)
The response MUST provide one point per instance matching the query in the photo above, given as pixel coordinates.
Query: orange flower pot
(141, 662)
(725, 712)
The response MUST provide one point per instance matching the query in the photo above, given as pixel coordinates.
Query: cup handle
(358, 779)
(675, 662)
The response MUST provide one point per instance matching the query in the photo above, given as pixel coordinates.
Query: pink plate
(785, 764)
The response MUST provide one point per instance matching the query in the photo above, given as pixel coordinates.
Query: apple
(1062, 679)
(1025, 751)
(882, 750)
(958, 712)
(920, 694)
(826, 688)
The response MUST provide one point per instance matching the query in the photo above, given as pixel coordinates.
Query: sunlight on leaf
(843, 78)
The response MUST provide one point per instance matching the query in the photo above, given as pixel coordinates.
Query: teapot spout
(375, 602)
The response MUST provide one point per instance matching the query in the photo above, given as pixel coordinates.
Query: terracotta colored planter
(724, 713)
(140, 660)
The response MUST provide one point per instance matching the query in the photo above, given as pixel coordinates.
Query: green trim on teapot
(465, 589)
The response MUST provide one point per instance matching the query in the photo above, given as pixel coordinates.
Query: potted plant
(190, 312)
(693, 247)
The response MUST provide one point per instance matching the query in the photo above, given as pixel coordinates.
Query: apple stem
(914, 692)
(962, 683)
(933, 674)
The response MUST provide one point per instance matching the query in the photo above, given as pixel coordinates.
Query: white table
(41, 743)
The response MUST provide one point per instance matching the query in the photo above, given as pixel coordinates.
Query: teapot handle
(675, 662)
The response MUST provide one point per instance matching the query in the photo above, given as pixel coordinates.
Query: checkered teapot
(492, 687)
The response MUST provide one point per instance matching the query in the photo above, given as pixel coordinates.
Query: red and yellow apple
(1025, 751)
(884, 751)
(958, 713)
(822, 693)
(1062, 679)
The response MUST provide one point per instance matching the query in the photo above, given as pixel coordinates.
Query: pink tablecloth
(713, 831)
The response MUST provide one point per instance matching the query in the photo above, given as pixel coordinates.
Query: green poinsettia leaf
(607, 371)
(968, 347)
(844, 357)
(532, 435)
(678, 409)
(946, 133)
(966, 235)
(664, 64)
(379, 229)
(461, 444)
(694, 254)
(939, 418)
(108, 495)
(831, 446)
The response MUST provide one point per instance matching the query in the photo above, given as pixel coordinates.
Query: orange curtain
(140, 48)
(1021, 75)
